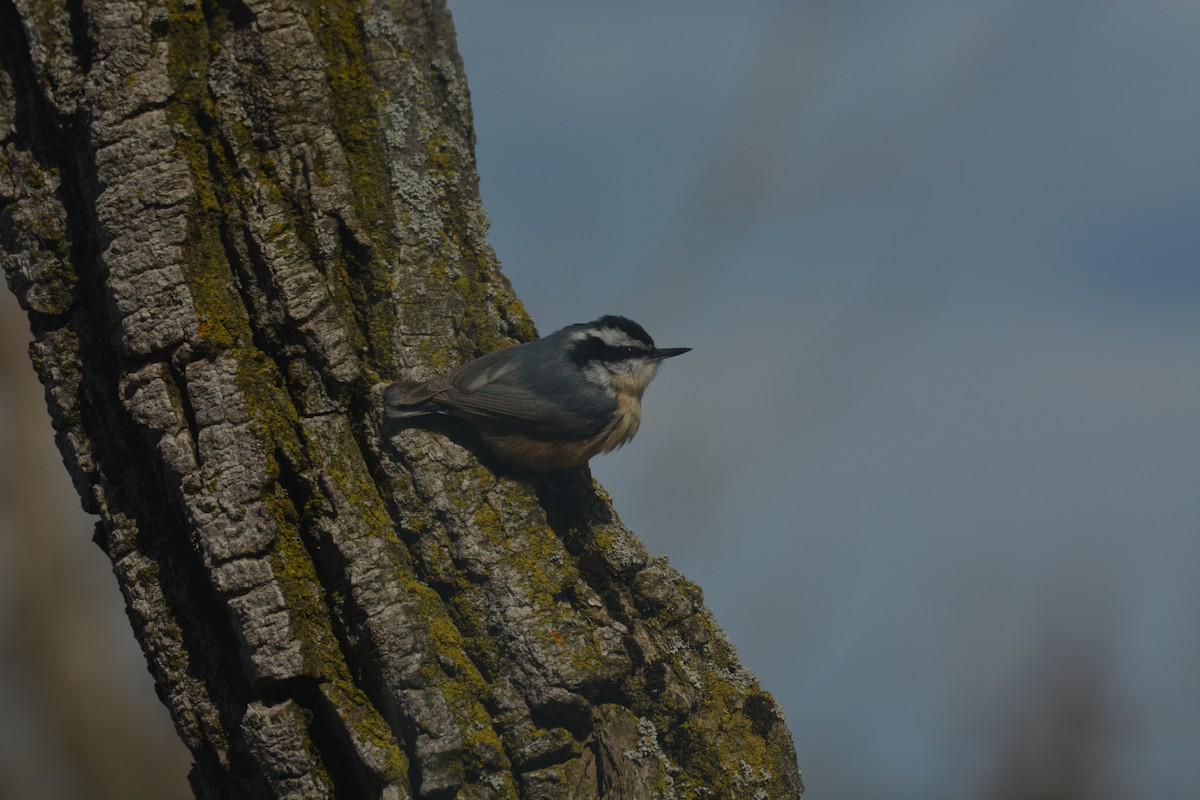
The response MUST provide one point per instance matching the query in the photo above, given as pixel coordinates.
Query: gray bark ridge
(229, 223)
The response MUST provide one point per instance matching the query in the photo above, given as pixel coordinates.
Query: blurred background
(935, 458)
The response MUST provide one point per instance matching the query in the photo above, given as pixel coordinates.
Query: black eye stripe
(619, 352)
(593, 348)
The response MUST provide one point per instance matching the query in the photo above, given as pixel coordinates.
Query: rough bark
(229, 222)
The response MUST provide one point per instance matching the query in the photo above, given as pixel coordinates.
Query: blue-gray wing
(499, 390)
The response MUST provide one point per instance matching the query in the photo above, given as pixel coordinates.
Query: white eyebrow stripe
(617, 338)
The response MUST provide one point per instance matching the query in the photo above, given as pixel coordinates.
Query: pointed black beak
(668, 352)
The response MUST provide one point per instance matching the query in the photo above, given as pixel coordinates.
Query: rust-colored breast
(540, 454)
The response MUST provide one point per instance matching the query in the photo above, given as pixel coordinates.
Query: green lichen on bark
(358, 101)
(223, 319)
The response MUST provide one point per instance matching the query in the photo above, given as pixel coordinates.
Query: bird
(551, 403)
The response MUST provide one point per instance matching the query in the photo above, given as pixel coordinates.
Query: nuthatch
(550, 403)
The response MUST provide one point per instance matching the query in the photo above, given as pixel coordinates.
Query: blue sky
(938, 444)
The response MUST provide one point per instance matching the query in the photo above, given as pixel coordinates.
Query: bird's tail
(400, 403)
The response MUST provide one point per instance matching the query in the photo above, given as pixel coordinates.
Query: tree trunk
(229, 222)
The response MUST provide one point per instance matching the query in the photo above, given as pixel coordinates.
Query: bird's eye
(629, 352)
